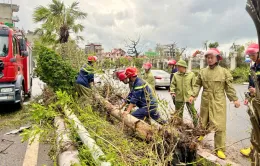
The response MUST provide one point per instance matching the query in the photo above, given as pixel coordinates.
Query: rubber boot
(246, 152)
(200, 138)
(221, 154)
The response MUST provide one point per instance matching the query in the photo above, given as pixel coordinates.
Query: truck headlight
(6, 90)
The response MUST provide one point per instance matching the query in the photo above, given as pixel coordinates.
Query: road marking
(31, 155)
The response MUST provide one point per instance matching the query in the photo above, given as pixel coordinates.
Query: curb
(212, 159)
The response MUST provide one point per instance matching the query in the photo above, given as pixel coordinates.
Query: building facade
(114, 54)
(6, 13)
(94, 48)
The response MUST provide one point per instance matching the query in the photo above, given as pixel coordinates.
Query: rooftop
(14, 7)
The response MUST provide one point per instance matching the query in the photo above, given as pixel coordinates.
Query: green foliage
(55, 72)
(71, 52)
(214, 45)
(241, 61)
(240, 74)
(122, 62)
(138, 62)
(225, 62)
(41, 114)
(14, 118)
(107, 63)
(86, 157)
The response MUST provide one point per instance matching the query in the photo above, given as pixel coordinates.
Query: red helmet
(131, 72)
(252, 49)
(119, 72)
(147, 65)
(172, 62)
(122, 76)
(92, 58)
(215, 52)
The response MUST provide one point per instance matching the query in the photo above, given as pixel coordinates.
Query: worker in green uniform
(182, 88)
(148, 76)
(217, 84)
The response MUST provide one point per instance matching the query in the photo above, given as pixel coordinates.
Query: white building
(6, 12)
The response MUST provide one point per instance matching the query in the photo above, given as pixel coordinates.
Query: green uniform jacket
(149, 78)
(215, 82)
(182, 85)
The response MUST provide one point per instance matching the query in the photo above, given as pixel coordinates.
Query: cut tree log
(144, 130)
(68, 153)
(85, 137)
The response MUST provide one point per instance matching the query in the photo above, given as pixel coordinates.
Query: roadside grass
(13, 117)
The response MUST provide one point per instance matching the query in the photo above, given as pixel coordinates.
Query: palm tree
(58, 21)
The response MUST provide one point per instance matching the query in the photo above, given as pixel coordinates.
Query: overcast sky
(187, 22)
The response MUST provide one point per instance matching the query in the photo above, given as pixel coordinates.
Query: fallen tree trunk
(68, 153)
(85, 137)
(143, 129)
(147, 131)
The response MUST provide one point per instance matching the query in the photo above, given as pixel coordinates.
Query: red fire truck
(16, 70)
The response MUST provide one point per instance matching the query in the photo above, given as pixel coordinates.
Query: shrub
(107, 63)
(122, 62)
(54, 71)
(138, 62)
(73, 54)
(240, 74)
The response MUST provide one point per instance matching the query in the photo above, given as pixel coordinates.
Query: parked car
(162, 79)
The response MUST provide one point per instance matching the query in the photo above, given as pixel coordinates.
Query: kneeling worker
(143, 97)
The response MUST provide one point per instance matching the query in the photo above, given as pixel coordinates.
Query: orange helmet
(131, 72)
(147, 65)
(92, 58)
(172, 62)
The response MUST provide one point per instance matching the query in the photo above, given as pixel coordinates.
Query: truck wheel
(29, 95)
(22, 95)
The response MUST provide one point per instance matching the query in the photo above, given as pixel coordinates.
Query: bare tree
(132, 46)
(172, 49)
(159, 49)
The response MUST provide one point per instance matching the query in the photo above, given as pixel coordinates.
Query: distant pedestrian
(148, 76)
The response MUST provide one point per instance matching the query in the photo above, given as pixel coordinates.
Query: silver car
(162, 78)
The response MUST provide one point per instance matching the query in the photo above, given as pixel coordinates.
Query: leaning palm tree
(59, 19)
